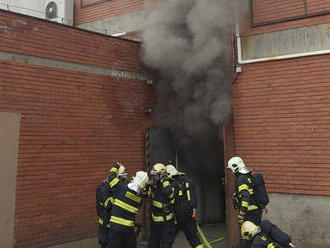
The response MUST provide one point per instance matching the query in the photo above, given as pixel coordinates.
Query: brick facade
(74, 124)
(267, 11)
(92, 10)
(281, 112)
(281, 121)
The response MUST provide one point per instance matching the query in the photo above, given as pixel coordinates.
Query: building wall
(281, 113)
(116, 17)
(81, 97)
(281, 123)
(280, 13)
(92, 10)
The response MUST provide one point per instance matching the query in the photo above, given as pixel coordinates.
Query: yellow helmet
(249, 230)
(159, 169)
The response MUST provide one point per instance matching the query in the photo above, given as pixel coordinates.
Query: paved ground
(211, 232)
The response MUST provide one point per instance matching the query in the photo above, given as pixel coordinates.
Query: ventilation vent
(51, 11)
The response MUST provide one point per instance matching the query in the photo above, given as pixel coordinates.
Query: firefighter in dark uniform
(258, 238)
(126, 203)
(103, 208)
(185, 204)
(248, 209)
(162, 216)
(104, 202)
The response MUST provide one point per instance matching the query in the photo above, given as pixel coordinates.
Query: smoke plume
(188, 43)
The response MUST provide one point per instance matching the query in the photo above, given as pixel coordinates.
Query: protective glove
(115, 168)
(193, 213)
(240, 217)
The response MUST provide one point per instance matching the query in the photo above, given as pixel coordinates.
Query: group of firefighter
(173, 204)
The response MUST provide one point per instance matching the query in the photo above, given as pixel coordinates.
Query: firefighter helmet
(158, 169)
(121, 171)
(236, 164)
(172, 171)
(141, 179)
(249, 230)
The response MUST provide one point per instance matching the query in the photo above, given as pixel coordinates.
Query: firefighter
(162, 216)
(244, 194)
(259, 237)
(185, 205)
(248, 209)
(104, 203)
(126, 203)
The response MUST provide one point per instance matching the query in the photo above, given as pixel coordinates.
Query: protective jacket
(104, 203)
(162, 224)
(103, 207)
(162, 196)
(126, 202)
(263, 241)
(245, 192)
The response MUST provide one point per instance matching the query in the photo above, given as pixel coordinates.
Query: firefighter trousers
(254, 216)
(103, 235)
(162, 235)
(189, 227)
(124, 238)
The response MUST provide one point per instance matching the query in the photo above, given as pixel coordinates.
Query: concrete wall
(305, 218)
(9, 132)
(286, 42)
(34, 8)
(127, 23)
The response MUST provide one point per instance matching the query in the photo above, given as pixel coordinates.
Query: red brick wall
(93, 10)
(281, 123)
(270, 11)
(100, 10)
(74, 125)
(267, 10)
(32, 37)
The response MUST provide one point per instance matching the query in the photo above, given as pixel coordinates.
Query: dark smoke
(188, 43)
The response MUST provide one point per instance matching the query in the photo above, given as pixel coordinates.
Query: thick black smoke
(188, 43)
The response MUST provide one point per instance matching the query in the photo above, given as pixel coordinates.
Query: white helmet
(172, 171)
(121, 171)
(141, 179)
(236, 164)
(159, 169)
(249, 230)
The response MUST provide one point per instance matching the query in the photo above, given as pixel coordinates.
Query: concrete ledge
(130, 22)
(34, 60)
(292, 41)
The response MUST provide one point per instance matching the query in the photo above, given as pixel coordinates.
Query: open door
(161, 148)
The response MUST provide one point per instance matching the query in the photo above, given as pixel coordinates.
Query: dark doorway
(207, 172)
